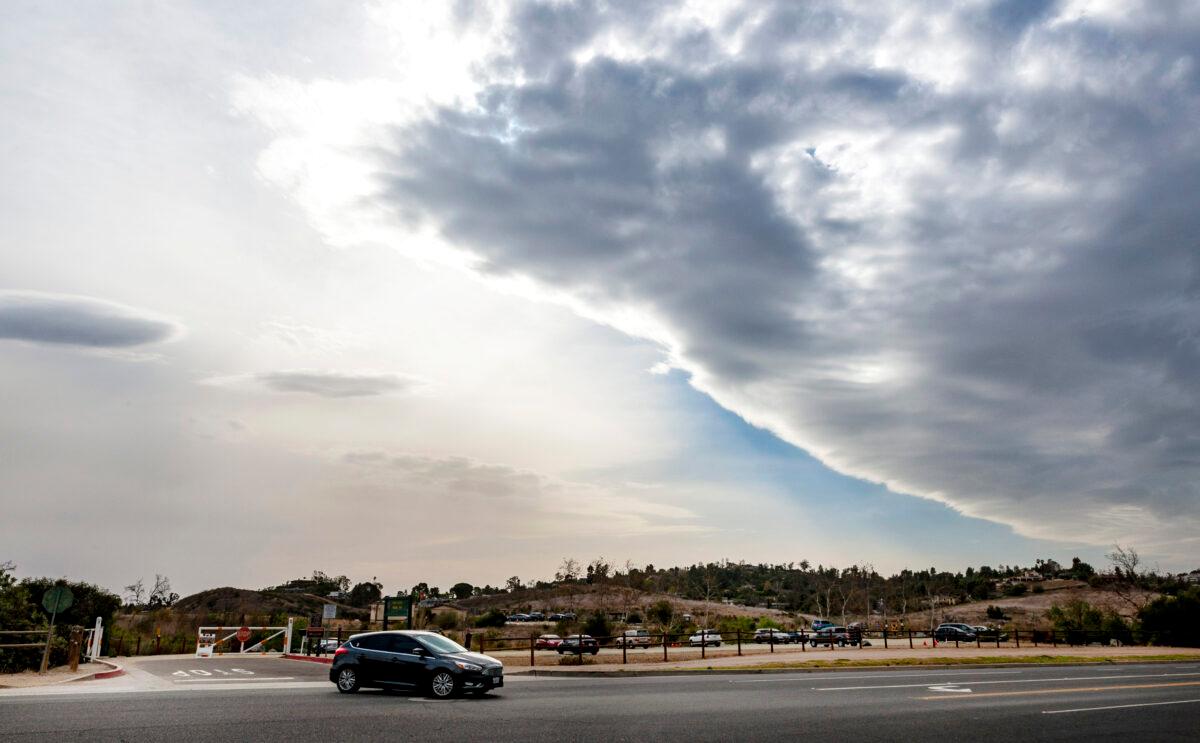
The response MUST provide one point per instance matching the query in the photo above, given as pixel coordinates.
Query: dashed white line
(1117, 706)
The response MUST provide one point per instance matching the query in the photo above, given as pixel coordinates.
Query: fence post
(664, 646)
(482, 640)
(997, 638)
(771, 640)
(703, 642)
(739, 641)
(885, 647)
(157, 644)
(532, 661)
(624, 649)
(910, 639)
(1017, 636)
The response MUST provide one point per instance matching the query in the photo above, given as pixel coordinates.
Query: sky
(452, 291)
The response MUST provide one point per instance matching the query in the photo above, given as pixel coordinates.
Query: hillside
(581, 599)
(1030, 609)
(235, 602)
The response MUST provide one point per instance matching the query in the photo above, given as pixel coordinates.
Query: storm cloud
(78, 321)
(950, 250)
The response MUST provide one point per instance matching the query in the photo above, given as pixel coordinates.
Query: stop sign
(243, 634)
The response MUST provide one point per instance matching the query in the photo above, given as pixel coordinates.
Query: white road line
(1013, 681)
(811, 677)
(243, 680)
(1117, 706)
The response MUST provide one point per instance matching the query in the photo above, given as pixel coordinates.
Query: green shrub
(493, 618)
(597, 625)
(1173, 620)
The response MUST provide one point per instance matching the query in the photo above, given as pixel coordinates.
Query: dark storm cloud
(78, 321)
(334, 384)
(970, 271)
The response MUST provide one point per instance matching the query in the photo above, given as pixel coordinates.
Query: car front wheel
(347, 681)
(443, 685)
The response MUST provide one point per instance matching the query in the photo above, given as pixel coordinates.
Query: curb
(734, 671)
(114, 671)
(309, 658)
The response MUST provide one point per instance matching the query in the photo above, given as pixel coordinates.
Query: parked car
(821, 624)
(799, 637)
(706, 637)
(536, 616)
(832, 635)
(518, 617)
(767, 634)
(634, 638)
(328, 645)
(952, 631)
(425, 661)
(578, 645)
(989, 634)
(546, 642)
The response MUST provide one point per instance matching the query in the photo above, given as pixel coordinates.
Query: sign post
(243, 634)
(58, 598)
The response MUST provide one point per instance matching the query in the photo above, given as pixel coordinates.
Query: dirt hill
(237, 601)
(1030, 609)
(606, 597)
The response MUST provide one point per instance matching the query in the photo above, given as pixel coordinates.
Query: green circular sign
(58, 599)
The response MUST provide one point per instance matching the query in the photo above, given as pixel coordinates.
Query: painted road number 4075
(213, 672)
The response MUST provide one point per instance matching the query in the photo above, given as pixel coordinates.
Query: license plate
(497, 682)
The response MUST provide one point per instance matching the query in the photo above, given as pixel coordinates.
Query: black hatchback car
(424, 661)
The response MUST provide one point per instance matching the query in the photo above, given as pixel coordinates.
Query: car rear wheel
(347, 681)
(443, 685)
(593, 651)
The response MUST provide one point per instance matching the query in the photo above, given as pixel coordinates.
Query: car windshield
(440, 644)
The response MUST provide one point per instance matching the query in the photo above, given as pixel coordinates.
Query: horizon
(417, 291)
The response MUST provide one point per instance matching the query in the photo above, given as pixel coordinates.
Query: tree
(161, 595)
(661, 613)
(568, 572)
(1129, 577)
(135, 593)
(513, 584)
(366, 593)
(462, 590)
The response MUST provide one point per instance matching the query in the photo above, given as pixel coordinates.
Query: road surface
(279, 700)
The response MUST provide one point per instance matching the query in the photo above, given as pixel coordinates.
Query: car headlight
(468, 666)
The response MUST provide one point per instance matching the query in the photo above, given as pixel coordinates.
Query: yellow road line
(1059, 691)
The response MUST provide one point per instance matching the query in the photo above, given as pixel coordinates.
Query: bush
(493, 618)
(1173, 620)
(995, 612)
(634, 618)
(446, 620)
(1038, 588)
(597, 625)
(1015, 589)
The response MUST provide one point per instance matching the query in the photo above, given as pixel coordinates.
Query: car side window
(372, 642)
(402, 644)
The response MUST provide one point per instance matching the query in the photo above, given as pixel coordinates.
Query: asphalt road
(1144, 702)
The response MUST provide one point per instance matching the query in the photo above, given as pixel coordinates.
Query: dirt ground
(53, 676)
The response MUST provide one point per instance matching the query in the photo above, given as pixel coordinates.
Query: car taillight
(339, 651)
